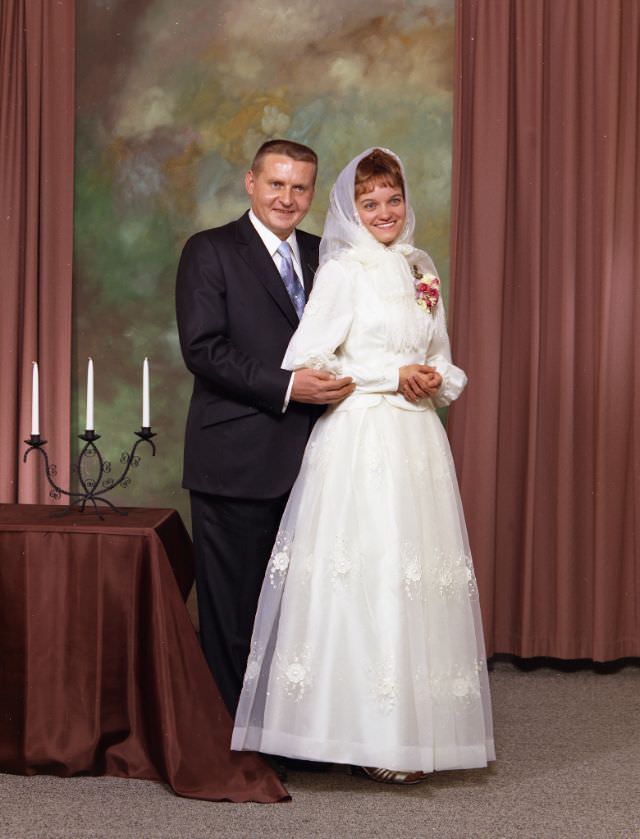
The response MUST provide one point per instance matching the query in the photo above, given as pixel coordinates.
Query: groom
(241, 289)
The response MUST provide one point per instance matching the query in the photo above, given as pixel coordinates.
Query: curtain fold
(545, 302)
(37, 101)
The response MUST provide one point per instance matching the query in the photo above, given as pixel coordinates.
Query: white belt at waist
(361, 401)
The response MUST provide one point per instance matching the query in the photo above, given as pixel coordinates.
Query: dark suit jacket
(235, 320)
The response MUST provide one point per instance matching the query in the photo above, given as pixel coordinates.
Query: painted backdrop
(173, 100)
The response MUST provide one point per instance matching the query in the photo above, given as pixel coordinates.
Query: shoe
(389, 776)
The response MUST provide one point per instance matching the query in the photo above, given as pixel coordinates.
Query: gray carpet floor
(568, 743)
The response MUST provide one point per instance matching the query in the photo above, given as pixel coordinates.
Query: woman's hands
(417, 381)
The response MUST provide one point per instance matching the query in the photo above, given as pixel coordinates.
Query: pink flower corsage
(427, 290)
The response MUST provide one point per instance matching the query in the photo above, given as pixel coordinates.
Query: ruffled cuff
(327, 362)
(454, 381)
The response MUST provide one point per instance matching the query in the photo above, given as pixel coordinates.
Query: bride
(367, 646)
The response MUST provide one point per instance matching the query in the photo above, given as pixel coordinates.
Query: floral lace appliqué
(280, 559)
(373, 460)
(254, 664)
(412, 569)
(457, 683)
(452, 575)
(319, 450)
(342, 563)
(383, 685)
(324, 361)
(293, 673)
(435, 462)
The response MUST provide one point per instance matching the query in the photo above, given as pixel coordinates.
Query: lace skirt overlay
(367, 645)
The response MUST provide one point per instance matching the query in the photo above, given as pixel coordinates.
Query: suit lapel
(257, 257)
(308, 269)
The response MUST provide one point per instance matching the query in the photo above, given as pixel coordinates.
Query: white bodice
(362, 320)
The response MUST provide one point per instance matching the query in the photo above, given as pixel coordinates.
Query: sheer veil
(344, 232)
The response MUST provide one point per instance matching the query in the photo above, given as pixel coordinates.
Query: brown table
(101, 672)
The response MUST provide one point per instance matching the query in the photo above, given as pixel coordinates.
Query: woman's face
(383, 212)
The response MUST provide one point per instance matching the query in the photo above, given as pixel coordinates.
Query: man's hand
(320, 388)
(417, 381)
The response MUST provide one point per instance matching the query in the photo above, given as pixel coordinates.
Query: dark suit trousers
(232, 539)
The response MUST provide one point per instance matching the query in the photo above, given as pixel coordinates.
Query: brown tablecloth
(101, 672)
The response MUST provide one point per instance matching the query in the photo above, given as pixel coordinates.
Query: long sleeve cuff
(287, 396)
(454, 381)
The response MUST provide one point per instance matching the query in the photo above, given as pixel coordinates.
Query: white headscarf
(344, 231)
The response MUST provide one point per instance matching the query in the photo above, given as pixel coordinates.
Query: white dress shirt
(272, 243)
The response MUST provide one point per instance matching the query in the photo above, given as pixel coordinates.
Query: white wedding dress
(367, 646)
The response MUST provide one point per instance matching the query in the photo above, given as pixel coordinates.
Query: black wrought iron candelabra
(96, 485)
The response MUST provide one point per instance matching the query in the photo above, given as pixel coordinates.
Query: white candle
(145, 394)
(89, 423)
(35, 402)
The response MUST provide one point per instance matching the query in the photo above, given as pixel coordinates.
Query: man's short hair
(289, 148)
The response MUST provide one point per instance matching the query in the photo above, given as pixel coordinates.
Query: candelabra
(94, 486)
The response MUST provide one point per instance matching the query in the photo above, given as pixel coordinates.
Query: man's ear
(249, 181)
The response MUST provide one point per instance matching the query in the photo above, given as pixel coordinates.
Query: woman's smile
(382, 211)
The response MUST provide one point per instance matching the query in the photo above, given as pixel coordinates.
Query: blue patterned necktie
(291, 282)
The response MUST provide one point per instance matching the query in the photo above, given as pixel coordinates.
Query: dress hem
(404, 758)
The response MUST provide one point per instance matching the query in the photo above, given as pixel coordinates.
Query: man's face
(281, 192)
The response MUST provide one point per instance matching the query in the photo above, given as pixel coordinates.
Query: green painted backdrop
(173, 100)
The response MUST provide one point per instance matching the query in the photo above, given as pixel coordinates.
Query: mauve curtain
(37, 75)
(545, 318)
